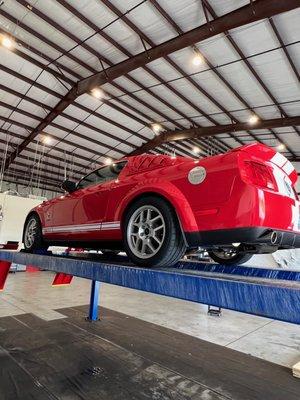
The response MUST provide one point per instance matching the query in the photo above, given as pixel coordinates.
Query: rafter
(215, 130)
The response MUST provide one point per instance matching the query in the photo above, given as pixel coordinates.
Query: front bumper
(249, 235)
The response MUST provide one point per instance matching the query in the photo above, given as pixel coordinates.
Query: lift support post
(271, 293)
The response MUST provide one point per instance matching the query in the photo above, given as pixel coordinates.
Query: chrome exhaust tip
(276, 238)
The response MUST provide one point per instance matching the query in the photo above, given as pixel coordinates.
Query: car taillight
(259, 174)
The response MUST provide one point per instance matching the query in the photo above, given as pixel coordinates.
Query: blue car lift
(271, 293)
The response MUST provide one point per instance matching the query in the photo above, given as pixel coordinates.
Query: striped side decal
(104, 226)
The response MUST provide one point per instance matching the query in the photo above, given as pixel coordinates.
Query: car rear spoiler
(265, 153)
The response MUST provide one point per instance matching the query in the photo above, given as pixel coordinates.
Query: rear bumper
(249, 235)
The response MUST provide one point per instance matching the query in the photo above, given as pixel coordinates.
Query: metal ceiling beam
(122, 49)
(215, 130)
(114, 106)
(60, 96)
(81, 107)
(126, 52)
(78, 134)
(244, 15)
(86, 65)
(129, 54)
(12, 179)
(248, 64)
(286, 52)
(247, 14)
(145, 38)
(108, 38)
(73, 155)
(36, 62)
(76, 104)
(213, 70)
(74, 158)
(195, 84)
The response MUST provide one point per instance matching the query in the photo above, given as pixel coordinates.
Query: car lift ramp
(272, 293)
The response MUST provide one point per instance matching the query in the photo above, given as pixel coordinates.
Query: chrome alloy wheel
(146, 231)
(30, 233)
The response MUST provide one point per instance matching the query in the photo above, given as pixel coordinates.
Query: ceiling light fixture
(253, 119)
(196, 150)
(156, 128)
(46, 140)
(281, 147)
(7, 42)
(96, 92)
(197, 59)
(108, 161)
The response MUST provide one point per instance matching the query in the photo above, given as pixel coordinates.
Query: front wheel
(33, 238)
(152, 235)
(229, 256)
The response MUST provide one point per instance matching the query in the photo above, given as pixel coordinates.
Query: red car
(156, 207)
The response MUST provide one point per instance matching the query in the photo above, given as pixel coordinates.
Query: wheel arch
(172, 195)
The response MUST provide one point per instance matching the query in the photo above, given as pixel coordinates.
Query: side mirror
(68, 186)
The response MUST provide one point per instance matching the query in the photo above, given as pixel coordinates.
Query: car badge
(197, 175)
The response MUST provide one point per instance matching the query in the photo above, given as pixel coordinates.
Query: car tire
(161, 232)
(33, 237)
(237, 259)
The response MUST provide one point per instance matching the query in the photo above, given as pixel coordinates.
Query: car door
(58, 216)
(61, 214)
(92, 198)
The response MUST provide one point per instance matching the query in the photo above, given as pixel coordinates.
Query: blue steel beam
(240, 270)
(276, 298)
(94, 299)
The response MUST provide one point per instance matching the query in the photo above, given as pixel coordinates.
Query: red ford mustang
(156, 207)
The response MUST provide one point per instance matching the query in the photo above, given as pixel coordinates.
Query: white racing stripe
(288, 168)
(283, 163)
(278, 159)
(104, 226)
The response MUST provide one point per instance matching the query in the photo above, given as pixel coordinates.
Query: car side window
(101, 175)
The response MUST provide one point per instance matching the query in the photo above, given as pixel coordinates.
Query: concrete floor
(274, 341)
